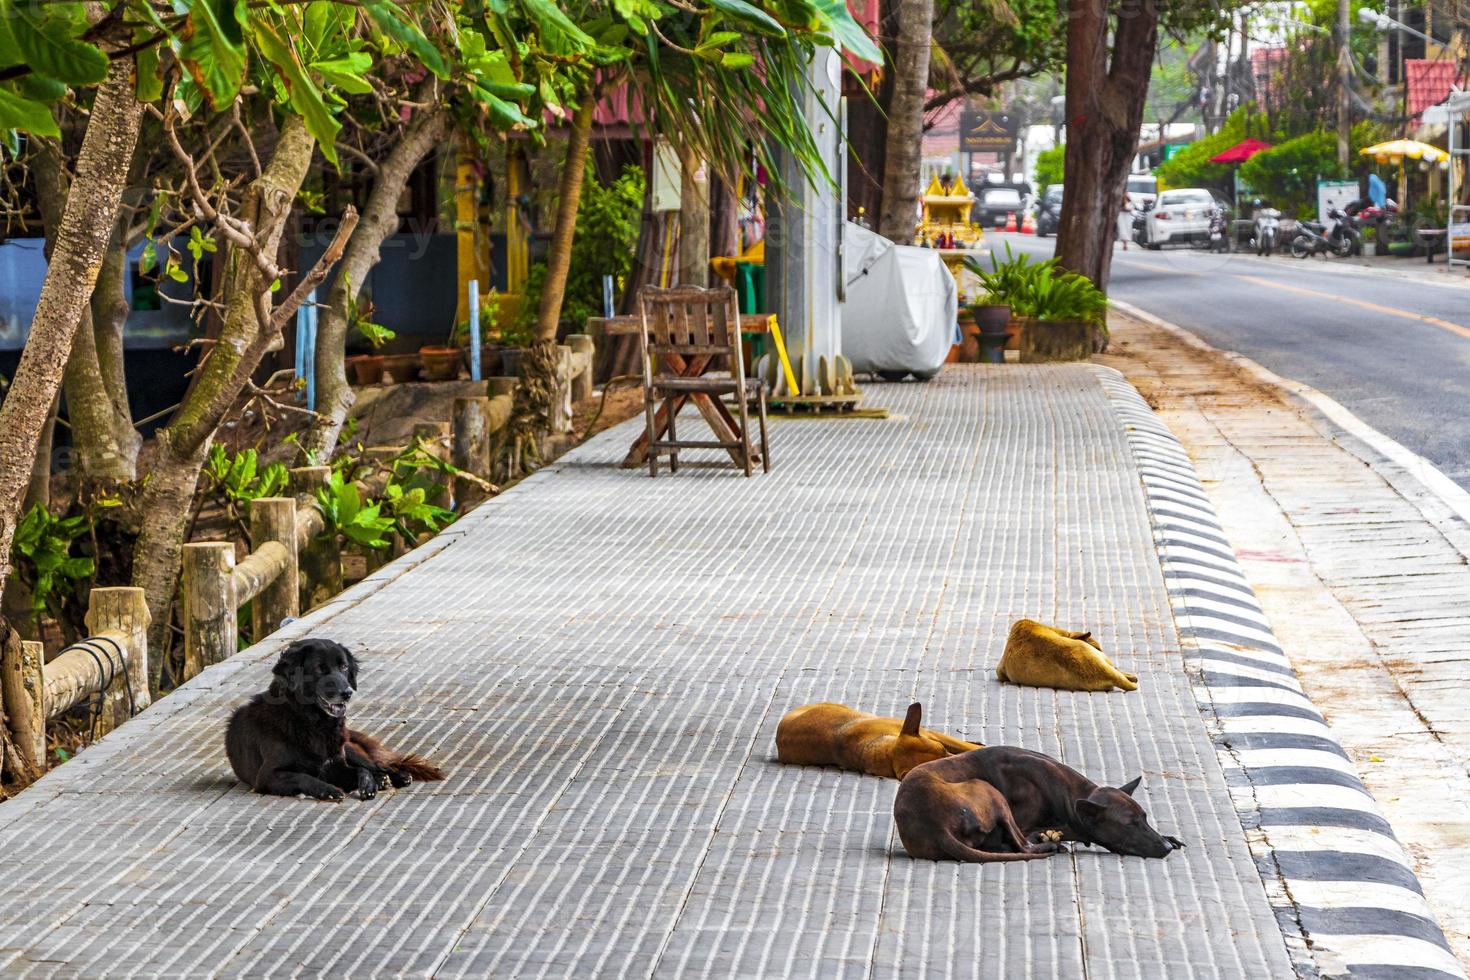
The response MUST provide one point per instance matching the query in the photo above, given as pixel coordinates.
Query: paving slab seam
(1330, 861)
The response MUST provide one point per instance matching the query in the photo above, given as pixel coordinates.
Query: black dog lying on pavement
(293, 739)
(1006, 804)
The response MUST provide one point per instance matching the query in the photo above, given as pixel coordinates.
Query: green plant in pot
(992, 309)
(1063, 315)
(490, 335)
(367, 369)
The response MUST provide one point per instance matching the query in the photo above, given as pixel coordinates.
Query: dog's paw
(1048, 847)
(399, 778)
(1176, 843)
(330, 794)
(367, 784)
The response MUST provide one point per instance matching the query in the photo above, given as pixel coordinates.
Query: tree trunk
(379, 220)
(181, 448)
(724, 218)
(904, 151)
(693, 220)
(110, 309)
(86, 226)
(569, 196)
(105, 445)
(867, 132)
(1105, 101)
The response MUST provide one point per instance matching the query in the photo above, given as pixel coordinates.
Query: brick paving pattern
(599, 660)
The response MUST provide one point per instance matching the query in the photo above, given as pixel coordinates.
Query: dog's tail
(419, 768)
(960, 851)
(952, 745)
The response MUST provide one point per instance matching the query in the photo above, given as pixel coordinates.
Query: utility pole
(1344, 77)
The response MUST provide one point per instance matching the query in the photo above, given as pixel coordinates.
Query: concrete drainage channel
(1342, 886)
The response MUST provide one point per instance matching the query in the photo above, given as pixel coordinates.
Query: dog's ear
(1085, 637)
(1130, 787)
(1089, 810)
(291, 658)
(912, 719)
(351, 668)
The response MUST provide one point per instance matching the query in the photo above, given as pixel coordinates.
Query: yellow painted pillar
(517, 246)
(467, 231)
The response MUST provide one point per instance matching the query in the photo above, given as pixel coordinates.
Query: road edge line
(1429, 476)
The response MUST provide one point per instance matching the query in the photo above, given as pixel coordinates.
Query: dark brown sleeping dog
(293, 739)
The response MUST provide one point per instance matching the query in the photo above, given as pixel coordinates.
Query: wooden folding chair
(688, 331)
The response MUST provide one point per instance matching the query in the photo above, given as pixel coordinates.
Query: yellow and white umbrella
(1397, 151)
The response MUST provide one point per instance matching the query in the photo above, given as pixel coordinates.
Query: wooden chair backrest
(690, 321)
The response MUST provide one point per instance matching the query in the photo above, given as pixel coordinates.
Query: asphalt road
(1395, 350)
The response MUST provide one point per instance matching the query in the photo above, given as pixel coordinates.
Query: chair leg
(652, 435)
(744, 429)
(765, 446)
(673, 405)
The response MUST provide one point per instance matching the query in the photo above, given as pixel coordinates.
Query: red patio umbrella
(1241, 152)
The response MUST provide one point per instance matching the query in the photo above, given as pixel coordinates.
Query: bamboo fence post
(471, 448)
(210, 632)
(321, 560)
(274, 519)
(22, 688)
(581, 343)
(124, 610)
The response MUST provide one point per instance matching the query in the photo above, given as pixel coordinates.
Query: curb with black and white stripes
(1342, 886)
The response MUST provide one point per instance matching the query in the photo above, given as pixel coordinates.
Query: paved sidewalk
(1361, 569)
(599, 660)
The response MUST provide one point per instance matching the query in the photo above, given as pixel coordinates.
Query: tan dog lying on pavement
(1042, 656)
(836, 735)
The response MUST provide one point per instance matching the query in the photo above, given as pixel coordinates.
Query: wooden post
(21, 689)
(320, 562)
(560, 408)
(581, 344)
(471, 448)
(274, 519)
(124, 610)
(210, 633)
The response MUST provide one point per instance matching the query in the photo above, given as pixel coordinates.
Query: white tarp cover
(901, 305)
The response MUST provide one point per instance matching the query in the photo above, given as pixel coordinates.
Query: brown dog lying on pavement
(1008, 804)
(1043, 656)
(836, 735)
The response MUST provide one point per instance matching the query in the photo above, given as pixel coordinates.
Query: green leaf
(751, 14)
(147, 261)
(150, 80)
(210, 53)
(847, 32)
(390, 21)
(558, 31)
(47, 45)
(346, 73)
(737, 59)
(304, 96)
(18, 112)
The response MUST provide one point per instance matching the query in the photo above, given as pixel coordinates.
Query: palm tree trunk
(379, 220)
(904, 152)
(693, 220)
(81, 240)
(569, 191)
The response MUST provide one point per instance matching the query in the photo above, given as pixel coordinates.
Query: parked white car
(1181, 215)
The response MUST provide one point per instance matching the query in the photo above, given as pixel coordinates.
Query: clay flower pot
(367, 369)
(440, 363)
(991, 317)
(402, 368)
(489, 360)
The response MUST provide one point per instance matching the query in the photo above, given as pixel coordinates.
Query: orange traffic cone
(1028, 227)
(1010, 221)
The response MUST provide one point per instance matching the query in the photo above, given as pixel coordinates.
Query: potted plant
(1370, 241)
(1063, 315)
(489, 335)
(514, 340)
(440, 363)
(993, 309)
(367, 369)
(402, 368)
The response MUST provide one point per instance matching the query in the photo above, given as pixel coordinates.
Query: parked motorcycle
(1344, 239)
(1219, 240)
(1309, 240)
(1267, 228)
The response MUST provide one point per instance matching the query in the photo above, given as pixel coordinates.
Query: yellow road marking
(1433, 321)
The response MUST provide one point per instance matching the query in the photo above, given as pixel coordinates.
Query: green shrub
(604, 243)
(1050, 167)
(1042, 290)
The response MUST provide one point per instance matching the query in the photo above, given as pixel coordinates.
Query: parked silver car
(1179, 215)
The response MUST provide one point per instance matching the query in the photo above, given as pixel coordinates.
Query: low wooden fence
(292, 566)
